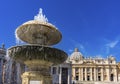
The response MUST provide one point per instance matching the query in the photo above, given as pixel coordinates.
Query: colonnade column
(94, 73)
(73, 71)
(1, 64)
(69, 76)
(115, 75)
(91, 74)
(79, 74)
(108, 74)
(85, 74)
(60, 75)
(101, 73)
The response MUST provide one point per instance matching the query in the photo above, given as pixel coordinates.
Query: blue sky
(93, 26)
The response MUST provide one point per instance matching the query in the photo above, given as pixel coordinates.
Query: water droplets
(41, 17)
(18, 41)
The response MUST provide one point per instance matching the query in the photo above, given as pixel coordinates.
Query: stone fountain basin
(36, 32)
(44, 54)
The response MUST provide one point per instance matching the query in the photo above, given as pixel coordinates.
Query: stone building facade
(77, 69)
(10, 70)
(93, 70)
(2, 63)
(13, 72)
(61, 74)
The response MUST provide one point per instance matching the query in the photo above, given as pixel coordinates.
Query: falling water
(7, 56)
(18, 41)
(8, 71)
(10, 77)
(18, 73)
(41, 17)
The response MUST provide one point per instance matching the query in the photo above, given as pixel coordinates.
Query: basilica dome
(76, 55)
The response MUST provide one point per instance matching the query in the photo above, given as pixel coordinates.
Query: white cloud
(112, 44)
(76, 44)
(81, 46)
(70, 50)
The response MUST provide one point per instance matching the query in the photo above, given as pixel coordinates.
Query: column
(1, 64)
(91, 74)
(69, 76)
(57, 70)
(95, 73)
(85, 74)
(79, 74)
(101, 73)
(73, 73)
(60, 75)
(115, 75)
(108, 74)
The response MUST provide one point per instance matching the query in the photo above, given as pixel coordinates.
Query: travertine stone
(35, 76)
(35, 32)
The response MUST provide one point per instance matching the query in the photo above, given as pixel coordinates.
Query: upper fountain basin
(36, 52)
(37, 32)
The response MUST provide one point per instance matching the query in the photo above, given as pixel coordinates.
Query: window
(111, 77)
(83, 78)
(54, 70)
(77, 77)
(111, 61)
(88, 69)
(99, 78)
(88, 78)
(99, 69)
(76, 70)
(99, 61)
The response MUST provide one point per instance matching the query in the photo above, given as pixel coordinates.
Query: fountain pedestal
(38, 72)
(34, 77)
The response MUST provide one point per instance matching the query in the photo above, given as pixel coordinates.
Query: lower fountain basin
(24, 53)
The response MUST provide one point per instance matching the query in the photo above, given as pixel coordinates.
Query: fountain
(37, 54)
